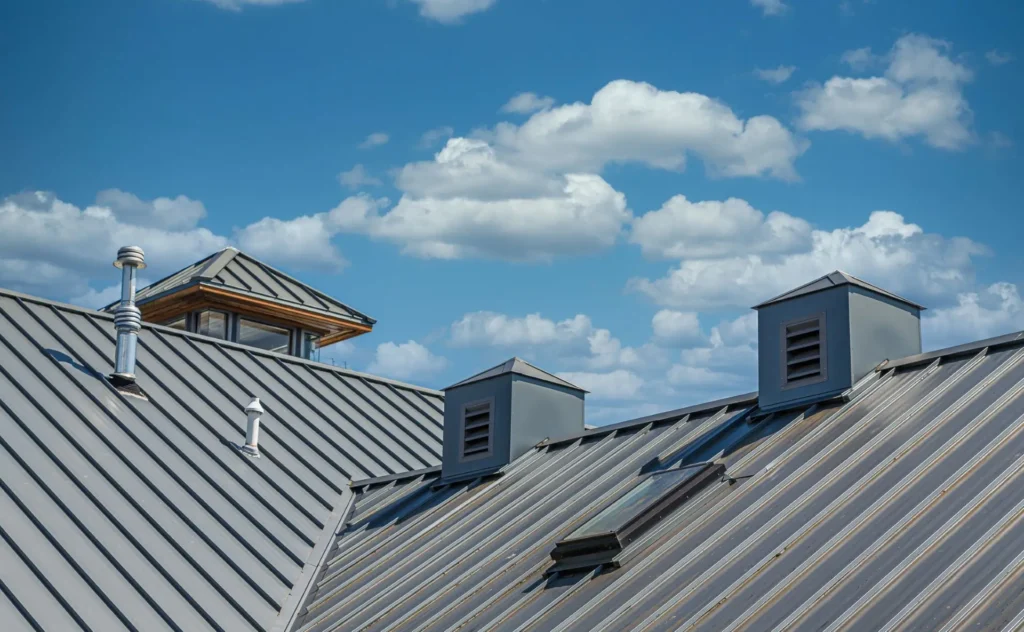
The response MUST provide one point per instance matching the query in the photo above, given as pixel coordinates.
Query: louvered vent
(477, 425)
(804, 353)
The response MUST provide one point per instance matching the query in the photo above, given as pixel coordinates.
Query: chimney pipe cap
(130, 255)
(254, 406)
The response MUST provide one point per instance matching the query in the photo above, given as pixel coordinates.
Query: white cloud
(451, 11)
(375, 139)
(54, 248)
(886, 250)
(629, 121)
(998, 58)
(408, 360)
(921, 94)
(574, 341)
(771, 7)
(306, 240)
(469, 203)
(996, 310)
(860, 59)
(685, 229)
(676, 328)
(777, 75)
(237, 5)
(499, 330)
(527, 103)
(178, 213)
(618, 384)
(432, 136)
(357, 177)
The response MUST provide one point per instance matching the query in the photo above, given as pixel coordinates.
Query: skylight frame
(587, 550)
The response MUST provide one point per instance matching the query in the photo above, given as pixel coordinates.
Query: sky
(601, 188)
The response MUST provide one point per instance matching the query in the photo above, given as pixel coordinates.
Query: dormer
(232, 296)
(816, 341)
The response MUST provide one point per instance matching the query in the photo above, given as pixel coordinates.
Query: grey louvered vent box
(816, 341)
(498, 415)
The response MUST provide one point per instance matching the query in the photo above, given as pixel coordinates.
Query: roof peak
(833, 279)
(519, 366)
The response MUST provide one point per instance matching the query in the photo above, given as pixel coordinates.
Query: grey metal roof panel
(234, 270)
(120, 512)
(899, 509)
(519, 367)
(831, 280)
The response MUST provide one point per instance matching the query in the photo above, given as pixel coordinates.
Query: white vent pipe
(252, 428)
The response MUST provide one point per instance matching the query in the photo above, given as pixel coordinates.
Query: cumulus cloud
(771, 7)
(306, 240)
(451, 11)
(886, 249)
(685, 229)
(921, 94)
(468, 202)
(357, 177)
(51, 247)
(375, 139)
(777, 75)
(575, 341)
(996, 310)
(629, 121)
(527, 103)
(618, 384)
(177, 213)
(676, 328)
(408, 360)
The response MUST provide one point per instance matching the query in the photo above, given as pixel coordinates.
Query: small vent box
(816, 341)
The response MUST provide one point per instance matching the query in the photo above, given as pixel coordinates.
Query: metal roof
(831, 280)
(519, 367)
(901, 508)
(236, 271)
(120, 512)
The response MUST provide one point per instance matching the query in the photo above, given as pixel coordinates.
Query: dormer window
(232, 296)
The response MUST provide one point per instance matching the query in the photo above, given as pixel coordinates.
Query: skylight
(601, 538)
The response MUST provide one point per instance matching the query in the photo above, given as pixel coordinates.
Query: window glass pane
(181, 322)
(263, 336)
(310, 346)
(210, 323)
(635, 501)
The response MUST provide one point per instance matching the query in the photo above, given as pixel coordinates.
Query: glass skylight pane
(634, 502)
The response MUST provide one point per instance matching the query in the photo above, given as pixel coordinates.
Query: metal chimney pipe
(252, 428)
(127, 317)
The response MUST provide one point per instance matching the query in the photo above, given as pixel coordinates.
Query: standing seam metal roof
(234, 270)
(120, 512)
(902, 508)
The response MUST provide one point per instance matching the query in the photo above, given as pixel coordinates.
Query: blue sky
(603, 188)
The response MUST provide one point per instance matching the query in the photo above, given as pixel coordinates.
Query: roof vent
(253, 413)
(805, 353)
(476, 430)
(496, 416)
(127, 318)
(817, 341)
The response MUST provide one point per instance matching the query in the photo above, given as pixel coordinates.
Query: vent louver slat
(803, 361)
(476, 429)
